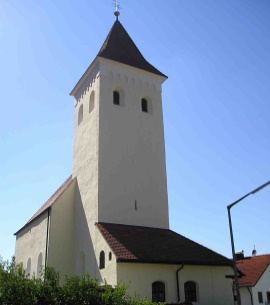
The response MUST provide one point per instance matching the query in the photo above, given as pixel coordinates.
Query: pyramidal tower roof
(119, 47)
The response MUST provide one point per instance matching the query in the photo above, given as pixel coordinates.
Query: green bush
(17, 289)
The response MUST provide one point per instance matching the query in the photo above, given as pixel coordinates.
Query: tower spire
(117, 7)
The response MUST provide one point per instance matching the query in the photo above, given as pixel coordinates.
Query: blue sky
(216, 106)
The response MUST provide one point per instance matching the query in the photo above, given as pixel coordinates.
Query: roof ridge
(122, 224)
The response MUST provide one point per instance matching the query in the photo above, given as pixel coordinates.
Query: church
(110, 217)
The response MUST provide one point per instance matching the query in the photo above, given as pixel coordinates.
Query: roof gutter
(251, 297)
(177, 282)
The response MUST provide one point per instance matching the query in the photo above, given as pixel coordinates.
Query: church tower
(110, 218)
(119, 151)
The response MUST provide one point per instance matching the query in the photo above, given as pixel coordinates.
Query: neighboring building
(255, 284)
(110, 217)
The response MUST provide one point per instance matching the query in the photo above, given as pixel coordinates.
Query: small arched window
(110, 256)
(144, 105)
(190, 291)
(116, 98)
(81, 263)
(28, 268)
(39, 266)
(102, 260)
(158, 292)
(92, 101)
(80, 115)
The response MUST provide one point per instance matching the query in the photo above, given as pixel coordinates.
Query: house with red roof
(110, 217)
(255, 283)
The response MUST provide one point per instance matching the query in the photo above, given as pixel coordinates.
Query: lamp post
(232, 241)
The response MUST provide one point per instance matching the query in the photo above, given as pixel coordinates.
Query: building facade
(110, 217)
(255, 283)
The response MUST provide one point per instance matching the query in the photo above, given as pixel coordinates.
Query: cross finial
(117, 7)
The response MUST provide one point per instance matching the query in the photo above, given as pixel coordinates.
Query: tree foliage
(16, 288)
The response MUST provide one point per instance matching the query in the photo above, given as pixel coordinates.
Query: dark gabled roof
(253, 267)
(119, 47)
(50, 201)
(153, 245)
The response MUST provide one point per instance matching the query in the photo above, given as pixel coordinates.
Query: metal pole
(232, 241)
(234, 261)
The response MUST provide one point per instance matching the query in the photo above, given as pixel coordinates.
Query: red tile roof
(253, 267)
(50, 201)
(153, 245)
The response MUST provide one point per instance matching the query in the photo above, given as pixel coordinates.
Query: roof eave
(28, 223)
(164, 262)
(84, 76)
(64, 187)
(160, 77)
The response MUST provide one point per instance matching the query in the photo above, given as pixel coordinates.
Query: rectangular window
(260, 297)
(268, 297)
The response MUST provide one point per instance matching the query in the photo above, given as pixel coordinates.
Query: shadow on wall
(85, 258)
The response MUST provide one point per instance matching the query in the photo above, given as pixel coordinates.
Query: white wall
(213, 287)
(61, 233)
(131, 148)
(85, 168)
(118, 156)
(263, 285)
(31, 241)
(245, 296)
(108, 274)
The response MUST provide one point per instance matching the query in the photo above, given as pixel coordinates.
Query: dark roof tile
(153, 245)
(119, 47)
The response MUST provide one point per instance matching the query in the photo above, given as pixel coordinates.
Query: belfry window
(102, 260)
(80, 115)
(158, 292)
(116, 98)
(190, 291)
(144, 105)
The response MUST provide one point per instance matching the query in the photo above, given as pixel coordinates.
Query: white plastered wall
(107, 275)
(85, 169)
(263, 285)
(245, 296)
(31, 241)
(213, 287)
(131, 148)
(119, 155)
(61, 233)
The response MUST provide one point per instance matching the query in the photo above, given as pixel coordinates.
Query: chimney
(239, 255)
(254, 252)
